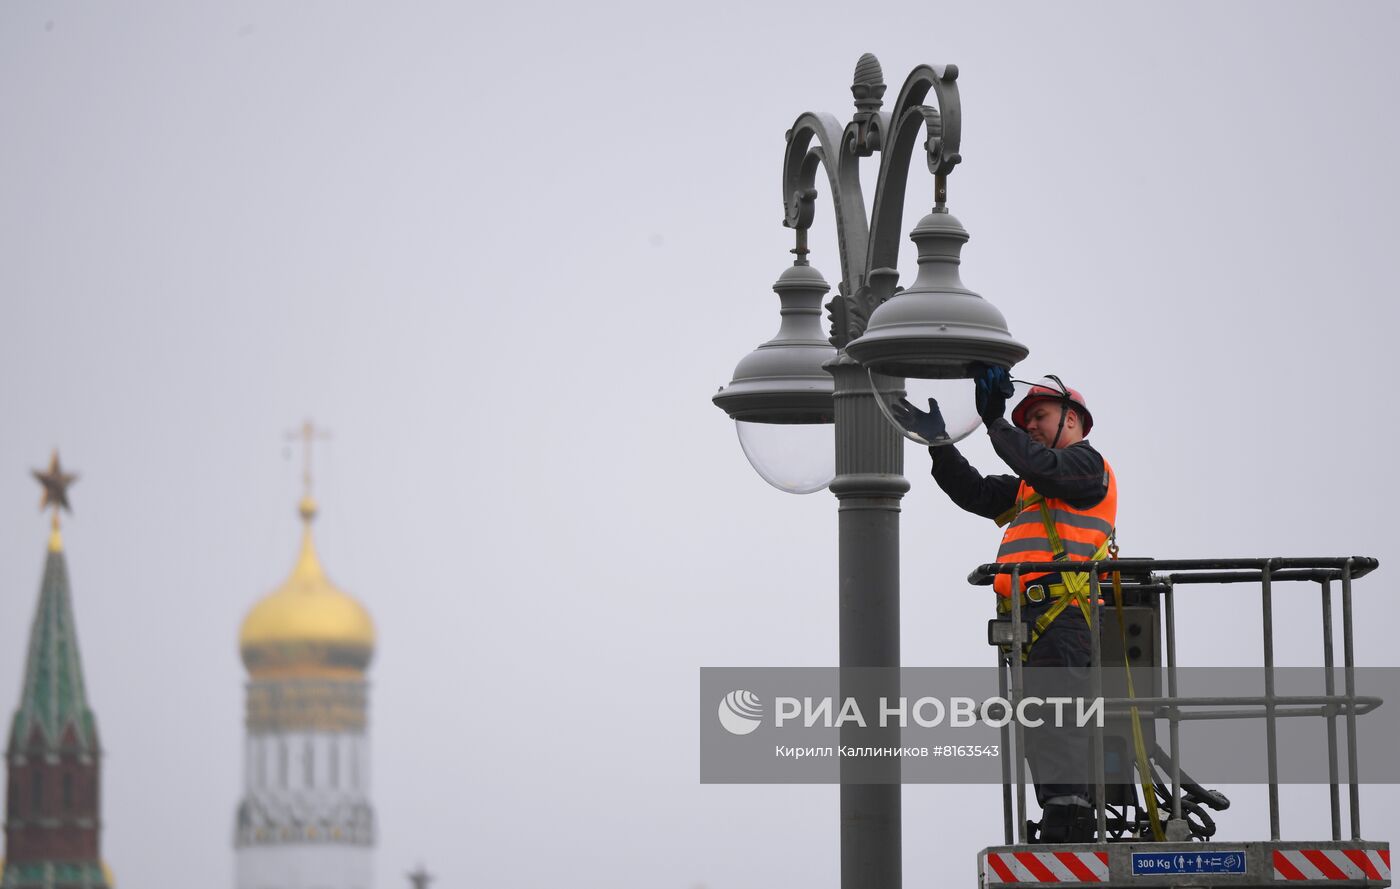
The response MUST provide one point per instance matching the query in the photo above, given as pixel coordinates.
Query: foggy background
(506, 254)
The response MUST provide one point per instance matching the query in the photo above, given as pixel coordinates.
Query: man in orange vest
(1060, 505)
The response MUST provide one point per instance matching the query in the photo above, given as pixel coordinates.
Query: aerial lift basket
(1144, 641)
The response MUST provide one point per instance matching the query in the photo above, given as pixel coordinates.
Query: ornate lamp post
(934, 329)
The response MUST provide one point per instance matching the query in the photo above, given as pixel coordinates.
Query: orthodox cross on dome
(420, 878)
(55, 482)
(308, 435)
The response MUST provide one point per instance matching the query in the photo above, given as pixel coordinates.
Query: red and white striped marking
(1331, 864)
(1047, 867)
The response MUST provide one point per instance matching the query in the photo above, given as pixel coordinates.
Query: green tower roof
(54, 697)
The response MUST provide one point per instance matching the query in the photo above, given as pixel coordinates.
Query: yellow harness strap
(1016, 509)
(1149, 793)
(1076, 583)
(1076, 587)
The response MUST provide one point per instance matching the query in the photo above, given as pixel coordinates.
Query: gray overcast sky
(507, 253)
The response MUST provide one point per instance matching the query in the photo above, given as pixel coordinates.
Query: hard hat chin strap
(1064, 412)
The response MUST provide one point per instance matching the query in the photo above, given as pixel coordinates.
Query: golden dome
(307, 624)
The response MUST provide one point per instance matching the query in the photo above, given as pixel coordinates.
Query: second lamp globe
(780, 397)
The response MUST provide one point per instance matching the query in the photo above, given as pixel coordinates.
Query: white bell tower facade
(306, 820)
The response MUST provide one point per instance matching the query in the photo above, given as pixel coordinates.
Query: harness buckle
(1035, 594)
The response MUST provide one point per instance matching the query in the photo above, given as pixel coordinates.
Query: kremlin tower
(52, 811)
(305, 821)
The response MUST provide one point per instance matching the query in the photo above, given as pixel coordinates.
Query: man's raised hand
(928, 426)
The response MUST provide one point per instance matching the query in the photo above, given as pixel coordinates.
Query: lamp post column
(934, 329)
(869, 484)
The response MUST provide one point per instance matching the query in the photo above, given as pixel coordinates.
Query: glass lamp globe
(781, 395)
(956, 401)
(799, 458)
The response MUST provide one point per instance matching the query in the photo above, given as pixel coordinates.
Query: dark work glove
(928, 425)
(993, 388)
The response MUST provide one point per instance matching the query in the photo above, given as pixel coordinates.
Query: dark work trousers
(1058, 666)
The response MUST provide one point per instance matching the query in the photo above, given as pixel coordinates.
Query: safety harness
(1075, 589)
(1075, 585)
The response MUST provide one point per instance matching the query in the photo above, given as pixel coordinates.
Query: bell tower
(305, 821)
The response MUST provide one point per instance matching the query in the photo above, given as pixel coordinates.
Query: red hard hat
(1052, 390)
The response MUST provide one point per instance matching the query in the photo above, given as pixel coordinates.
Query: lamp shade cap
(936, 328)
(935, 335)
(783, 380)
(797, 278)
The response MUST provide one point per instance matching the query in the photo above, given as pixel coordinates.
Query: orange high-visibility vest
(1082, 531)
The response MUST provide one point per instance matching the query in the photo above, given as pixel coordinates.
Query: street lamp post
(936, 329)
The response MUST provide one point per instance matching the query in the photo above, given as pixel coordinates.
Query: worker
(1060, 504)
